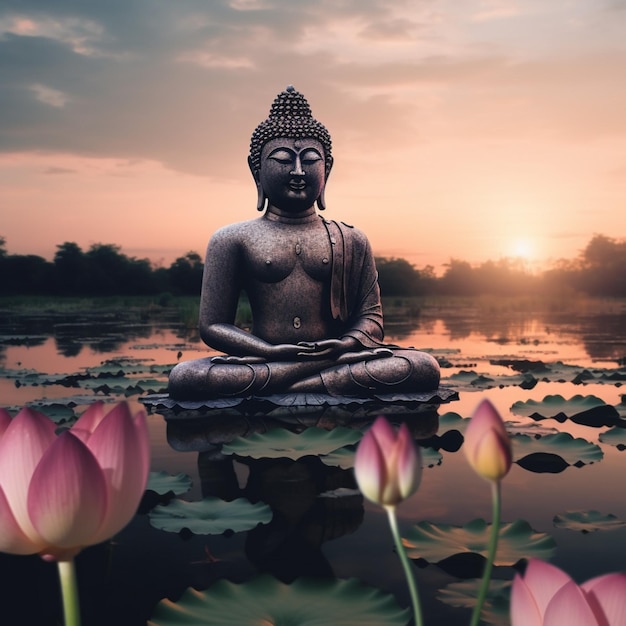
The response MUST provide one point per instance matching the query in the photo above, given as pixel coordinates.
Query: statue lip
(297, 185)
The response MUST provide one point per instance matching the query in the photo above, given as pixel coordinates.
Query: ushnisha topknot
(291, 117)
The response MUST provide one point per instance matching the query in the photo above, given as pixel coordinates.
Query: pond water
(547, 373)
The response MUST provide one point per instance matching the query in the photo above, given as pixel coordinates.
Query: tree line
(103, 270)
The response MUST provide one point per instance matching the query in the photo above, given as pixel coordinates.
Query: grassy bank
(185, 309)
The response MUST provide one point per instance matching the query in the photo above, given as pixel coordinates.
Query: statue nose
(297, 170)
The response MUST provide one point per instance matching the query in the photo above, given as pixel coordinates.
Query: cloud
(53, 170)
(184, 83)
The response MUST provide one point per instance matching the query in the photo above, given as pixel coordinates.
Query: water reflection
(303, 518)
(311, 533)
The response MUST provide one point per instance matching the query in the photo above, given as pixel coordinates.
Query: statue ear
(321, 201)
(260, 200)
(329, 166)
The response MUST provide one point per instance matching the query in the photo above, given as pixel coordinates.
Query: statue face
(293, 173)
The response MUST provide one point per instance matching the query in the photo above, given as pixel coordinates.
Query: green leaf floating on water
(210, 516)
(614, 437)
(561, 448)
(589, 410)
(344, 457)
(281, 443)
(265, 601)
(469, 379)
(58, 413)
(450, 420)
(435, 542)
(587, 521)
(463, 595)
(162, 483)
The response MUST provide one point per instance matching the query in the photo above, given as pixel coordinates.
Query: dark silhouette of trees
(458, 279)
(599, 270)
(25, 274)
(185, 274)
(397, 277)
(604, 267)
(71, 269)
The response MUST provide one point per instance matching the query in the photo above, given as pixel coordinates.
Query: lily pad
(587, 410)
(265, 600)
(464, 594)
(522, 365)
(435, 542)
(58, 413)
(344, 457)
(162, 483)
(530, 452)
(430, 457)
(281, 443)
(614, 437)
(122, 366)
(587, 521)
(210, 516)
(469, 379)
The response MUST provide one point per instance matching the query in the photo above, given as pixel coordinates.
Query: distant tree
(185, 274)
(458, 279)
(603, 251)
(604, 267)
(112, 273)
(505, 277)
(397, 277)
(71, 269)
(25, 274)
(428, 279)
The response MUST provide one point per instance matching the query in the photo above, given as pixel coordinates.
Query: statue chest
(285, 255)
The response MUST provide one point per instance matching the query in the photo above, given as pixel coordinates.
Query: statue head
(290, 118)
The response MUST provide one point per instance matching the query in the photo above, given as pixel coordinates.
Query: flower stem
(491, 552)
(406, 565)
(69, 591)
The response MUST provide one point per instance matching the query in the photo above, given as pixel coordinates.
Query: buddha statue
(311, 283)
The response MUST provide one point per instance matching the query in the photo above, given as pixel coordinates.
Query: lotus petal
(569, 606)
(24, 442)
(12, 539)
(67, 498)
(121, 444)
(607, 597)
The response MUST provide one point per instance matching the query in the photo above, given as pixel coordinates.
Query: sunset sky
(461, 129)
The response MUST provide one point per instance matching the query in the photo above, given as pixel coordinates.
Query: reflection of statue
(311, 283)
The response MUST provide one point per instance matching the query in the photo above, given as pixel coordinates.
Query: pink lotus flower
(547, 596)
(487, 445)
(59, 494)
(387, 464)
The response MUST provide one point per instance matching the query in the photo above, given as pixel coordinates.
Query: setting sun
(522, 248)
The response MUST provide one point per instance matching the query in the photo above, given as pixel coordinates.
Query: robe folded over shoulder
(354, 290)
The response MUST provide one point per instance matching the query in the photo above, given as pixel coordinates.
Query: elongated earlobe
(260, 198)
(321, 201)
(260, 194)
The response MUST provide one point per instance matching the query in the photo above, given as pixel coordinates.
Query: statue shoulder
(235, 232)
(350, 232)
